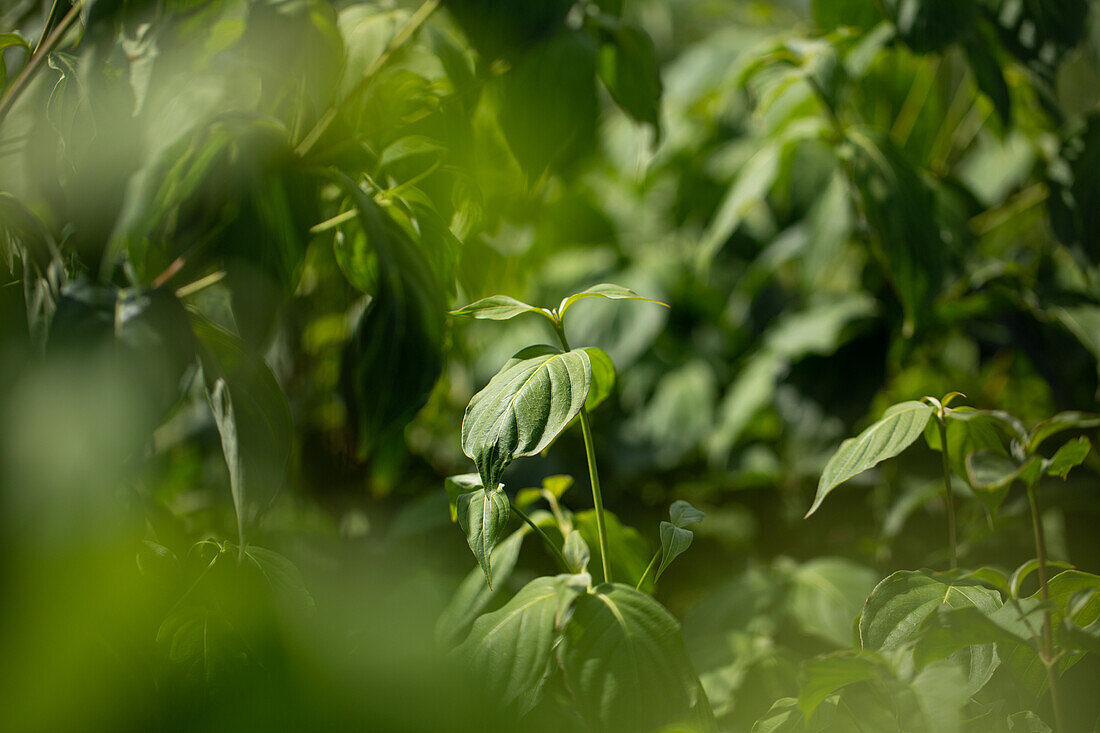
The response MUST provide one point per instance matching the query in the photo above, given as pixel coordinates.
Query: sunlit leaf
(897, 430)
(497, 308)
(604, 290)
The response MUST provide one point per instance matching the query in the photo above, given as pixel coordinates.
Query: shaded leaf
(674, 542)
(483, 516)
(1067, 457)
(473, 595)
(576, 552)
(456, 486)
(628, 68)
(991, 474)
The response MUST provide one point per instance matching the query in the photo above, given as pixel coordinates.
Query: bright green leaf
(576, 552)
(497, 308)
(524, 407)
(899, 427)
(604, 290)
(1067, 457)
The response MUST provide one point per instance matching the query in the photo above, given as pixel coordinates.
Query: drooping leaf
(897, 430)
(473, 595)
(497, 308)
(624, 660)
(628, 68)
(511, 649)
(483, 516)
(253, 419)
(1067, 457)
(524, 407)
(604, 290)
(1060, 423)
(457, 485)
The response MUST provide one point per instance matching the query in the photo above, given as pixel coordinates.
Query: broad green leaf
(674, 542)
(497, 308)
(603, 377)
(942, 692)
(683, 514)
(524, 407)
(826, 594)
(511, 649)
(991, 474)
(625, 663)
(1067, 457)
(473, 595)
(950, 630)
(899, 427)
(604, 290)
(1060, 423)
(456, 486)
(483, 516)
(253, 419)
(900, 604)
(576, 552)
(820, 677)
(627, 65)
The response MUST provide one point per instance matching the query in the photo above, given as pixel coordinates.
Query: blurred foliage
(229, 389)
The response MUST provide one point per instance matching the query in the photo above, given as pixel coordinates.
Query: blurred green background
(844, 204)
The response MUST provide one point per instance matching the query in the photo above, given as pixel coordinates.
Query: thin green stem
(545, 538)
(647, 569)
(593, 474)
(947, 495)
(1048, 656)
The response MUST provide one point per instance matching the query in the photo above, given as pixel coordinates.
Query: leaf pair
(675, 537)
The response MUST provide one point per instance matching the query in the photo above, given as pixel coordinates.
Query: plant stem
(545, 538)
(1044, 592)
(42, 51)
(593, 474)
(647, 569)
(947, 495)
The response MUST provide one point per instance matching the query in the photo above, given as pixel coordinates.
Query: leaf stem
(593, 474)
(647, 569)
(947, 495)
(1048, 636)
(42, 51)
(545, 538)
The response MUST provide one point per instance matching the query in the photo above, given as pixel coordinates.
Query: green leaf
(483, 516)
(474, 595)
(625, 663)
(820, 677)
(394, 356)
(456, 486)
(1060, 423)
(899, 427)
(1067, 457)
(674, 541)
(10, 40)
(497, 308)
(968, 431)
(991, 474)
(627, 551)
(283, 577)
(627, 65)
(949, 630)
(942, 692)
(830, 14)
(556, 486)
(826, 594)
(683, 514)
(930, 26)
(253, 419)
(987, 70)
(524, 407)
(576, 552)
(1020, 574)
(511, 649)
(603, 377)
(748, 190)
(900, 604)
(604, 290)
